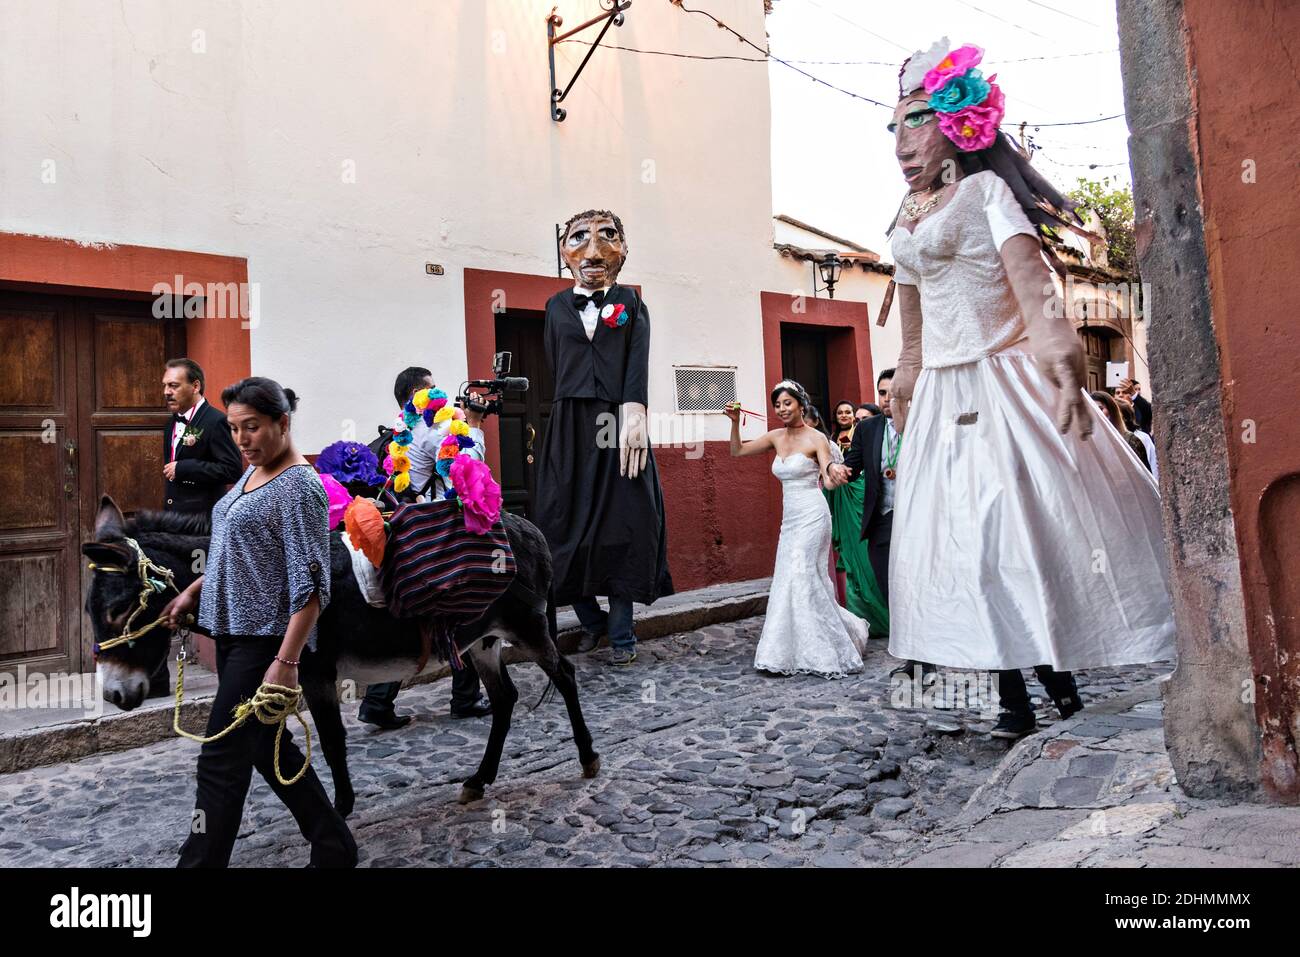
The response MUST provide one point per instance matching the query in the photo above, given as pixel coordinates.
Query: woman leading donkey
(266, 581)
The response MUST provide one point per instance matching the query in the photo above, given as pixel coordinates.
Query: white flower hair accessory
(912, 76)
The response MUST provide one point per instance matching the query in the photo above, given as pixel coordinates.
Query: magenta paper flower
(976, 127)
(478, 491)
(339, 498)
(954, 64)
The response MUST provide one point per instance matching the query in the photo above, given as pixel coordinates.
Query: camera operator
(466, 699)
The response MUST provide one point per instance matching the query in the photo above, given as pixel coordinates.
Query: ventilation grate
(705, 388)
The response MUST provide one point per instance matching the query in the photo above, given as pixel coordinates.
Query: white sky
(833, 164)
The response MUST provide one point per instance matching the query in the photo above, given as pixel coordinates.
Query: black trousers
(464, 692)
(878, 552)
(225, 770)
(1014, 695)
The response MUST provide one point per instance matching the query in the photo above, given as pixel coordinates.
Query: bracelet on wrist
(285, 661)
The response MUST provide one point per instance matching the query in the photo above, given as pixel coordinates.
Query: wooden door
(1096, 349)
(803, 359)
(80, 395)
(523, 416)
(40, 565)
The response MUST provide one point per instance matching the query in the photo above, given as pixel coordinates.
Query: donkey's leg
(501, 692)
(323, 701)
(536, 644)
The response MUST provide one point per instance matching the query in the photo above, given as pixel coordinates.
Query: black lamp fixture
(829, 267)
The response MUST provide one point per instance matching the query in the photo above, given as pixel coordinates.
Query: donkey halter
(154, 580)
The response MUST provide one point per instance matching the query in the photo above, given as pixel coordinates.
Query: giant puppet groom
(598, 497)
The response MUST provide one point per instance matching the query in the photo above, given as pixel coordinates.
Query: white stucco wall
(227, 126)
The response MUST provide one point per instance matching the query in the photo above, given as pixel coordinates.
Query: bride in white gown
(805, 631)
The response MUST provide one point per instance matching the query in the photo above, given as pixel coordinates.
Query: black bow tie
(177, 417)
(580, 300)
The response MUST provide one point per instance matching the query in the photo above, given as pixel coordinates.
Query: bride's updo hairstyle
(796, 392)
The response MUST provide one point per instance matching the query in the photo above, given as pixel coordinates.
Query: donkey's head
(126, 595)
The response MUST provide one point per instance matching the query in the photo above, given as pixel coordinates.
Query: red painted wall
(848, 366)
(1248, 125)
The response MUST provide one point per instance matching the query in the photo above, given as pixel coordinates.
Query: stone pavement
(33, 736)
(705, 762)
(1099, 791)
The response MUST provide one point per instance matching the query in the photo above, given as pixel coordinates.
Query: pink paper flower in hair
(976, 127)
(954, 64)
(479, 493)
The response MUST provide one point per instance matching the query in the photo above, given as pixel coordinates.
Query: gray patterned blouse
(270, 552)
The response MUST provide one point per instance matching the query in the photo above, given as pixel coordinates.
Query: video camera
(488, 401)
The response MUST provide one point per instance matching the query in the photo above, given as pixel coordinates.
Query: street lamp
(829, 266)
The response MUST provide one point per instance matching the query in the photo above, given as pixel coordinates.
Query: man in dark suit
(1131, 389)
(201, 458)
(874, 453)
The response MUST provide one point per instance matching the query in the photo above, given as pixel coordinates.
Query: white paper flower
(607, 311)
(921, 63)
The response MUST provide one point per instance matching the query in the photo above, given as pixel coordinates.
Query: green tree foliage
(1115, 208)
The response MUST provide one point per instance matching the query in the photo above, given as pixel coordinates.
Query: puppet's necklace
(914, 209)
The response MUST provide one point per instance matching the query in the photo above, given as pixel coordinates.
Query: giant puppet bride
(1026, 533)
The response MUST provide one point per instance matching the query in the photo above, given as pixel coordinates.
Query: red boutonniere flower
(614, 315)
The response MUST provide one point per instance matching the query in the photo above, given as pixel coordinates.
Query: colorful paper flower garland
(430, 405)
(468, 480)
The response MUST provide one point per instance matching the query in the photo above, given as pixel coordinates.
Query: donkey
(353, 639)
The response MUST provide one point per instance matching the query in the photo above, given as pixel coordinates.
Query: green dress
(862, 593)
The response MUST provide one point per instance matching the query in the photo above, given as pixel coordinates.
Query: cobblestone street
(705, 761)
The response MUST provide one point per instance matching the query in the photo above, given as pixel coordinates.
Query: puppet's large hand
(634, 441)
(1062, 361)
(900, 395)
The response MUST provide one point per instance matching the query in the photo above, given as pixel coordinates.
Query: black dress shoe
(589, 641)
(1068, 707)
(385, 720)
(479, 709)
(908, 668)
(1012, 725)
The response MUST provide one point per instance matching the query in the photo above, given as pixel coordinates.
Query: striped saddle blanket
(434, 565)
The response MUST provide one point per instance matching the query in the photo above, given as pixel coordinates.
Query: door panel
(129, 354)
(31, 593)
(129, 464)
(31, 360)
(29, 471)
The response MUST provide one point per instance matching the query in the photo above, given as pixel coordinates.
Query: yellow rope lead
(272, 704)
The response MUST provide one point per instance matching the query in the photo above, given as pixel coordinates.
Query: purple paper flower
(349, 462)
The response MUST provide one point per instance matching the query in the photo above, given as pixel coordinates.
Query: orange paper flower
(365, 526)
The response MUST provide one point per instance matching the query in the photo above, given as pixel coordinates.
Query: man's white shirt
(423, 453)
(178, 428)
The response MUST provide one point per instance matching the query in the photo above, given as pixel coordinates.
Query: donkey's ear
(110, 522)
(102, 553)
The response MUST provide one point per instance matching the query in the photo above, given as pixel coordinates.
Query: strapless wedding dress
(806, 631)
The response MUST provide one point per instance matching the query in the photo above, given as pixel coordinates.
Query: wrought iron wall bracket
(613, 18)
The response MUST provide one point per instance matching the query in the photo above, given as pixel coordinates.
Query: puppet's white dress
(1013, 545)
